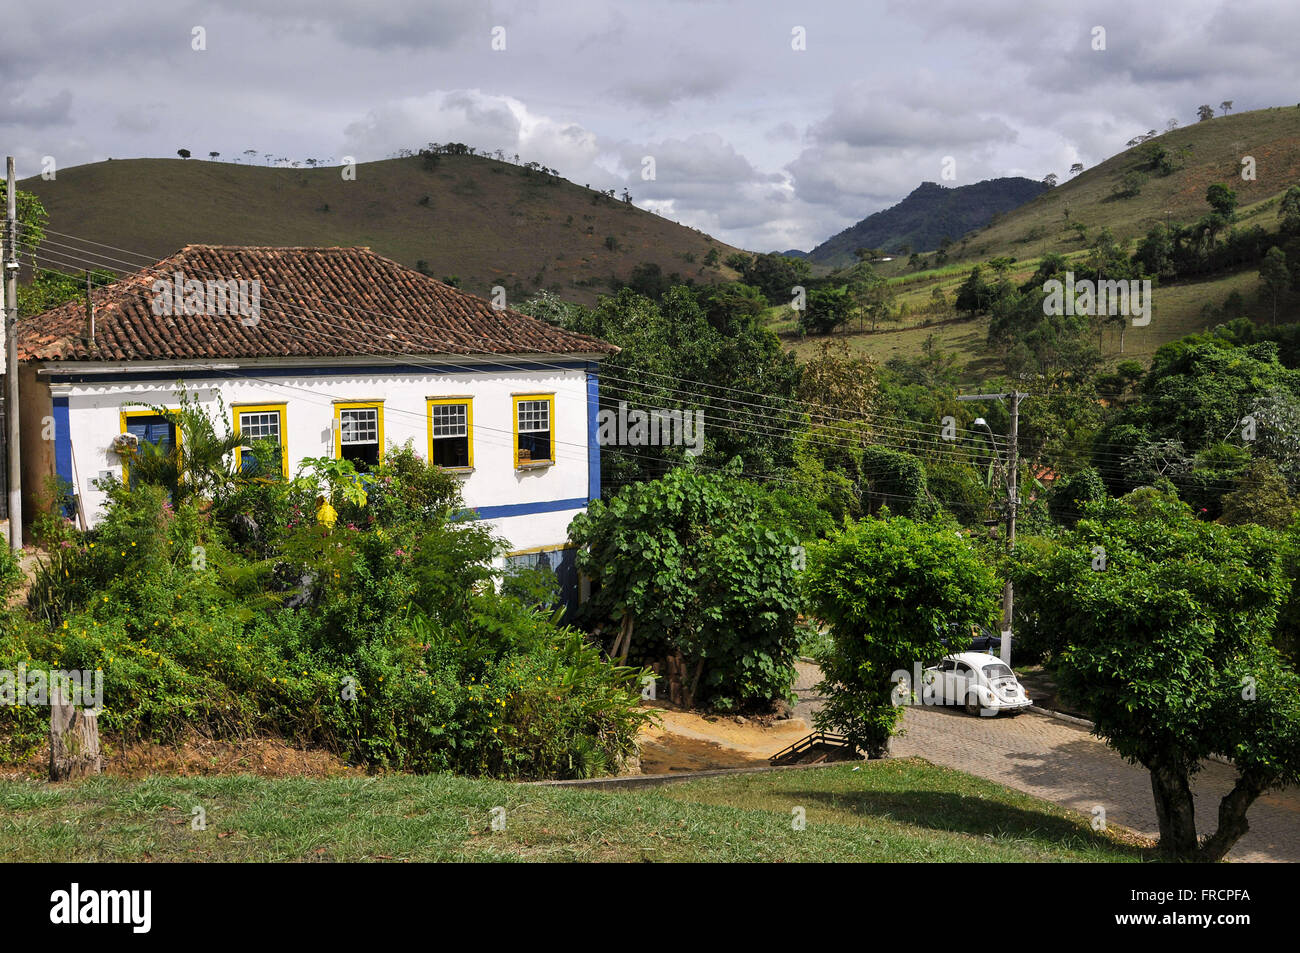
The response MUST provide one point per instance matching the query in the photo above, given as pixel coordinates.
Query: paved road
(1062, 762)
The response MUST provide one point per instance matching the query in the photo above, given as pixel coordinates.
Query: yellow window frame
(430, 403)
(237, 409)
(515, 400)
(375, 405)
(124, 417)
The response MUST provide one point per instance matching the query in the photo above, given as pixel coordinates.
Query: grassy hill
(926, 217)
(1201, 154)
(889, 810)
(487, 222)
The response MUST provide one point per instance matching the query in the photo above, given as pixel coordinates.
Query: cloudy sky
(759, 143)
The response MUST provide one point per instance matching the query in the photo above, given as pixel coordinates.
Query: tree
(697, 569)
(183, 153)
(1274, 275)
(1222, 200)
(1225, 106)
(1288, 212)
(1171, 125)
(975, 294)
(870, 296)
(826, 309)
(214, 155)
(1155, 253)
(1076, 168)
(1049, 180)
(32, 219)
(1168, 650)
(1072, 493)
(776, 275)
(1261, 497)
(894, 479)
(837, 387)
(711, 342)
(1205, 112)
(890, 589)
(1130, 185)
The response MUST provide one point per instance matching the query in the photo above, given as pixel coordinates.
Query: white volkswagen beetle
(982, 683)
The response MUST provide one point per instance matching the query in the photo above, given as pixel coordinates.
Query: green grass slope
(487, 222)
(1203, 153)
(904, 810)
(1207, 152)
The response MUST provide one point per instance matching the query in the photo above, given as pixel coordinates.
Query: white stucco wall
(309, 393)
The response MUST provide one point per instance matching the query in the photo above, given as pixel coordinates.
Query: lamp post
(1010, 466)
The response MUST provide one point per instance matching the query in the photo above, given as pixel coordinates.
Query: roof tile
(314, 302)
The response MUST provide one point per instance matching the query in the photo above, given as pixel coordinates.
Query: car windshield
(996, 670)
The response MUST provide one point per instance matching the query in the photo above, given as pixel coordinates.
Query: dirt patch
(669, 753)
(691, 741)
(266, 757)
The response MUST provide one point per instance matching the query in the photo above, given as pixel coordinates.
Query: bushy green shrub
(384, 638)
(705, 566)
(890, 589)
(895, 479)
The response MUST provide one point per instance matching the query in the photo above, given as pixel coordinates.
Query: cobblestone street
(1062, 762)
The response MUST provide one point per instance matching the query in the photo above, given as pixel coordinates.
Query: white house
(329, 352)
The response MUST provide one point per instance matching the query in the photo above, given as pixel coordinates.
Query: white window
(359, 426)
(260, 426)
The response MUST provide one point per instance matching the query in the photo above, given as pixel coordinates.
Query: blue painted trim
(593, 432)
(62, 440)
(57, 375)
(526, 509)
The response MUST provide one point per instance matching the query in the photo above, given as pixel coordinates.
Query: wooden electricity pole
(11, 360)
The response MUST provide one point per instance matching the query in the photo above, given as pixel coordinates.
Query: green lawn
(904, 810)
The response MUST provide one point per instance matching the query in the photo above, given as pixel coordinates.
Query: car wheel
(973, 704)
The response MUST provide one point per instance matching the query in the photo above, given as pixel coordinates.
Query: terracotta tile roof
(313, 302)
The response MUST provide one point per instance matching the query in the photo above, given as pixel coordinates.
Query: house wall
(531, 508)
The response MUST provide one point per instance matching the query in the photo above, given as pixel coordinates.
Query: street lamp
(1009, 471)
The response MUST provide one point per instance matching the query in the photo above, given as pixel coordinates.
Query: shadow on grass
(956, 813)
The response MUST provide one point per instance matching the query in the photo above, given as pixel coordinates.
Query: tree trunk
(676, 671)
(1175, 810)
(879, 749)
(1232, 820)
(74, 742)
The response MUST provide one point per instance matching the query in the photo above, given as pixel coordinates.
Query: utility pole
(11, 360)
(1013, 501)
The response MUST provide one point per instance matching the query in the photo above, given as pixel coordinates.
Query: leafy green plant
(1167, 647)
(889, 589)
(704, 573)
